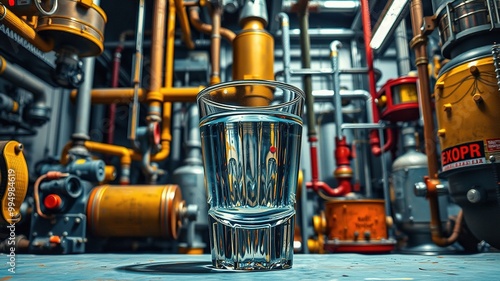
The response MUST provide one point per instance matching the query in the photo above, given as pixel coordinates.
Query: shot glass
(251, 139)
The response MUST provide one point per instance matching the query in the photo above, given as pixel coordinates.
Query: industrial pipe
(167, 92)
(125, 95)
(419, 45)
(322, 7)
(125, 155)
(184, 23)
(341, 146)
(374, 137)
(215, 44)
(115, 73)
(154, 110)
(285, 42)
(22, 28)
(307, 84)
(134, 107)
(194, 18)
(26, 80)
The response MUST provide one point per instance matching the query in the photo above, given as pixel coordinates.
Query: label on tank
(463, 155)
(493, 145)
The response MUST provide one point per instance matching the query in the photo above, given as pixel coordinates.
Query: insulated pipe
(24, 79)
(184, 23)
(22, 28)
(215, 45)
(419, 45)
(194, 18)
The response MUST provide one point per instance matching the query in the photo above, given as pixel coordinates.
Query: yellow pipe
(22, 28)
(169, 57)
(180, 94)
(125, 95)
(166, 93)
(124, 153)
(183, 20)
(112, 95)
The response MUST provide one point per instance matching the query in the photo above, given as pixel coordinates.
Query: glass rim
(251, 82)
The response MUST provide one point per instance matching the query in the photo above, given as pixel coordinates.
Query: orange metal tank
(362, 219)
(357, 225)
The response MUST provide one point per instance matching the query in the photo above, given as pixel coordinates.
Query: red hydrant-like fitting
(375, 142)
(343, 172)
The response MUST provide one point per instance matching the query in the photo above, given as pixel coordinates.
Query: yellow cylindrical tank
(253, 58)
(135, 211)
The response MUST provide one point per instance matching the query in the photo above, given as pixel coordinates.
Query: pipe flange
(2, 17)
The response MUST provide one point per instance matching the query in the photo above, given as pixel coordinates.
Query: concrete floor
(484, 266)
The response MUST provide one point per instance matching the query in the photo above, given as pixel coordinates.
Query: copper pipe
(435, 225)
(183, 21)
(419, 45)
(302, 6)
(194, 18)
(154, 98)
(23, 29)
(215, 46)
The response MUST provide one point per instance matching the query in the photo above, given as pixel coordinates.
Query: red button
(52, 201)
(55, 239)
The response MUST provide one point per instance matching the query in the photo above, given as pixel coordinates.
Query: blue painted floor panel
(484, 266)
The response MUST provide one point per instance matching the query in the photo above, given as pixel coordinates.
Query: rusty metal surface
(484, 266)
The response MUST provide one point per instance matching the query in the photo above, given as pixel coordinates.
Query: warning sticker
(493, 145)
(464, 155)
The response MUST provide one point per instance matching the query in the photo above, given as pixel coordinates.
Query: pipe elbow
(163, 153)
(342, 189)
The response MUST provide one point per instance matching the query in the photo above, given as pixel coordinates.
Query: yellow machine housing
(13, 180)
(75, 24)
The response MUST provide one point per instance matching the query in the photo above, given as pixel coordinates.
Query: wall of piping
(143, 82)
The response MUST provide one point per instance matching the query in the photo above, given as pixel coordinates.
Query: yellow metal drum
(135, 211)
(467, 100)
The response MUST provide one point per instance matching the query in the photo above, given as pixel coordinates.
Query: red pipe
(115, 74)
(343, 172)
(367, 35)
